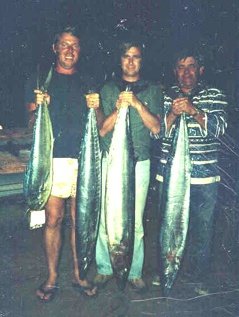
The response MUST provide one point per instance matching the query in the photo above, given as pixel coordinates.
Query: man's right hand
(93, 100)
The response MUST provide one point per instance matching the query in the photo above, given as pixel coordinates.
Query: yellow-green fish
(38, 176)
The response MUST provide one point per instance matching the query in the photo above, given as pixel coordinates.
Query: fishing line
(184, 299)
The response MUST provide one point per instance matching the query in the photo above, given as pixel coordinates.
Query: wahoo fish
(119, 199)
(88, 199)
(175, 205)
(38, 176)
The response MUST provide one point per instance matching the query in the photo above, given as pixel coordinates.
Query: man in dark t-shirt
(67, 107)
(66, 93)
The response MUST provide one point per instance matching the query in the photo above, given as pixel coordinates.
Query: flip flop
(83, 289)
(48, 293)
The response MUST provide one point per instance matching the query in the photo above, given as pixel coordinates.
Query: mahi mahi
(88, 194)
(38, 176)
(119, 199)
(175, 205)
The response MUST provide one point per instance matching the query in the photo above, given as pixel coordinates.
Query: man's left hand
(128, 97)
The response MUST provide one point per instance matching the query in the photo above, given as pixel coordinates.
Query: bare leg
(73, 240)
(52, 235)
(77, 279)
(52, 238)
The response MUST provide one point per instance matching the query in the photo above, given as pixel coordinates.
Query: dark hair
(183, 54)
(126, 45)
(73, 30)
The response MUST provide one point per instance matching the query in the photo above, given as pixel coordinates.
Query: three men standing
(206, 121)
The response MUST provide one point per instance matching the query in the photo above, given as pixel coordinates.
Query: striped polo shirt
(203, 143)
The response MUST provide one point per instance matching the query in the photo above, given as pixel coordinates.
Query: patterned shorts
(64, 182)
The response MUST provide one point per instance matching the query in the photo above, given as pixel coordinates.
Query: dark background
(28, 27)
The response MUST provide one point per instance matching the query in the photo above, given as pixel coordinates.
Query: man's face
(187, 72)
(67, 50)
(131, 64)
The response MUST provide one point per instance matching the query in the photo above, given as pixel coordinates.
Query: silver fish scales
(88, 194)
(119, 199)
(175, 206)
(38, 176)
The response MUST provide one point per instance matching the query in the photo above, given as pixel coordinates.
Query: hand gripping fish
(38, 176)
(88, 194)
(175, 205)
(119, 199)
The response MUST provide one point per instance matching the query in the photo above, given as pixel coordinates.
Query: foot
(46, 293)
(138, 285)
(101, 280)
(156, 280)
(85, 288)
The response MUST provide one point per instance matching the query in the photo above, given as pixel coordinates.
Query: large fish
(88, 194)
(119, 199)
(38, 176)
(175, 205)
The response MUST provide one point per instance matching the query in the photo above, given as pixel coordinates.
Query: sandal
(84, 290)
(46, 294)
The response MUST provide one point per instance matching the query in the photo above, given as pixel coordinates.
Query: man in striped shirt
(204, 109)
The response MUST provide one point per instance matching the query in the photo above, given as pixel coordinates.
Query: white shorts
(65, 171)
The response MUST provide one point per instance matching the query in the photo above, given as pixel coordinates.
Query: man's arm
(31, 107)
(215, 105)
(99, 117)
(29, 103)
(152, 122)
(108, 123)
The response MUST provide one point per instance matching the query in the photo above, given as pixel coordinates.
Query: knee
(54, 221)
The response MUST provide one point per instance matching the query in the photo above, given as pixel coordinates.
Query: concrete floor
(22, 270)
